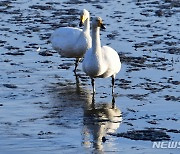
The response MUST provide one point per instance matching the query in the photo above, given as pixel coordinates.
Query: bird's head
(83, 17)
(97, 22)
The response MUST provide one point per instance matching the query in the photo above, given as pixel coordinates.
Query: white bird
(73, 42)
(100, 62)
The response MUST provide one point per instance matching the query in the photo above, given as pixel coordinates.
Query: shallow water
(45, 108)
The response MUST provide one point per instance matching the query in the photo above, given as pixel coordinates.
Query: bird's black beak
(81, 24)
(102, 26)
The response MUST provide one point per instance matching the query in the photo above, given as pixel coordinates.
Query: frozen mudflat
(45, 108)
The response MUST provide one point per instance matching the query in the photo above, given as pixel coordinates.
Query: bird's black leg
(93, 85)
(113, 80)
(76, 64)
(113, 102)
(93, 102)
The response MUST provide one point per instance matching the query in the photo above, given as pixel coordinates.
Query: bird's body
(101, 65)
(71, 42)
(100, 62)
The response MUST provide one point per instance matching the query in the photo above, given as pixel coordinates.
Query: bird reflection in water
(72, 102)
(99, 120)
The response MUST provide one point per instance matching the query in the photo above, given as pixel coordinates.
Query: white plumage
(73, 42)
(100, 62)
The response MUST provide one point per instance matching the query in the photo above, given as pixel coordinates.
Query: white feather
(100, 61)
(72, 42)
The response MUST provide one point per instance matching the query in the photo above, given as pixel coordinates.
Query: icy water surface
(45, 108)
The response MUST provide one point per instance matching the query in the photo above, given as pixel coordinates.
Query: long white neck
(86, 26)
(96, 42)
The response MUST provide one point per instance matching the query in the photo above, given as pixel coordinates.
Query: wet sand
(45, 108)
